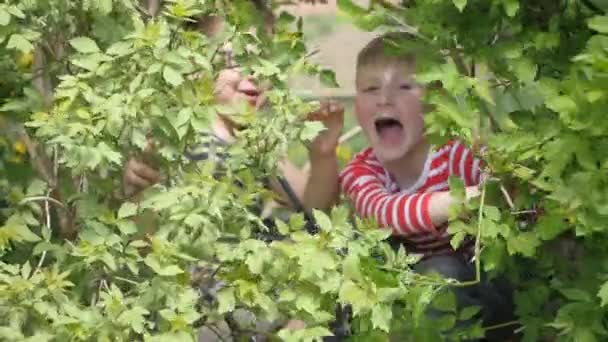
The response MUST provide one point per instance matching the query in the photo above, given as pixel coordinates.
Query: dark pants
(494, 297)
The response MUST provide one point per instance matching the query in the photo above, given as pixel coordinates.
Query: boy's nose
(386, 97)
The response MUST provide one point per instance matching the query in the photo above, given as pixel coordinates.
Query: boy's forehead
(387, 70)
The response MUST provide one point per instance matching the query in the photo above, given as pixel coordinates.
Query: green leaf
(562, 104)
(128, 209)
(525, 70)
(445, 301)
(16, 228)
(460, 4)
(457, 239)
(381, 316)
(491, 213)
(323, 220)
(16, 12)
(134, 318)
(311, 130)
(603, 294)
(127, 227)
(511, 7)
(328, 78)
(172, 76)
(170, 270)
(17, 41)
(524, 243)
(576, 295)
(226, 300)
(84, 45)
(468, 312)
(119, 48)
(599, 24)
(5, 17)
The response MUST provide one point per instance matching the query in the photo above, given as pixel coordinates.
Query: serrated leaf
(17, 41)
(134, 318)
(16, 12)
(460, 4)
(468, 312)
(323, 220)
(562, 104)
(603, 294)
(5, 17)
(381, 317)
(523, 243)
(84, 45)
(172, 76)
(599, 23)
(511, 7)
(328, 78)
(491, 213)
(127, 227)
(119, 48)
(457, 239)
(576, 295)
(445, 301)
(170, 270)
(127, 210)
(26, 270)
(311, 130)
(17, 227)
(226, 300)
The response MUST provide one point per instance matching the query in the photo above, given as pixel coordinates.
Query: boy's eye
(406, 86)
(370, 89)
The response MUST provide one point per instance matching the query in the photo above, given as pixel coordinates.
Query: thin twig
(507, 197)
(524, 212)
(477, 244)
(501, 325)
(47, 211)
(127, 281)
(42, 198)
(217, 333)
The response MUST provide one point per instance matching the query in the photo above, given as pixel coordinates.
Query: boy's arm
(318, 188)
(405, 214)
(322, 190)
(322, 187)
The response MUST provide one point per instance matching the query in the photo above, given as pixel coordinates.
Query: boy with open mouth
(401, 181)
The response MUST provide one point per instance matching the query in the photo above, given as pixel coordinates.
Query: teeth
(384, 116)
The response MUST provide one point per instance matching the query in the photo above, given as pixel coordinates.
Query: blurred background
(338, 43)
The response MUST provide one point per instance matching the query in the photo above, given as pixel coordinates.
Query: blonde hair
(389, 48)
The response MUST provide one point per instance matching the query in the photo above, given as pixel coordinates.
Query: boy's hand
(331, 114)
(138, 174)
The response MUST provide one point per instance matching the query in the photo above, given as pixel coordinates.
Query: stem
(215, 331)
(501, 325)
(42, 198)
(477, 244)
(127, 281)
(505, 193)
(47, 211)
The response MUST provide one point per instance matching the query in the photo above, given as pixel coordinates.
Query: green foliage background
(84, 82)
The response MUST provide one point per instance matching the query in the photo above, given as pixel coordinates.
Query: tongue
(391, 134)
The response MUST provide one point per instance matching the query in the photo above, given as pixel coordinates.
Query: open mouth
(389, 130)
(250, 92)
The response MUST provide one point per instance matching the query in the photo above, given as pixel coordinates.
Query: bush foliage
(85, 82)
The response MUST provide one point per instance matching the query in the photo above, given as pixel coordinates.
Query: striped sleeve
(464, 164)
(407, 215)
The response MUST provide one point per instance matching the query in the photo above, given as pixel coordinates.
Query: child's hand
(138, 174)
(331, 114)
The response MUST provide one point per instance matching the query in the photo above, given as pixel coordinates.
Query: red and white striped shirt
(375, 194)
